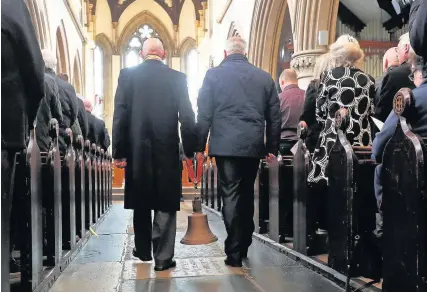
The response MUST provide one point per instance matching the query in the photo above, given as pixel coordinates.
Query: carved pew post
(95, 190)
(404, 204)
(280, 182)
(261, 193)
(68, 195)
(99, 174)
(80, 187)
(110, 186)
(303, 223)
(28, 190)
(101, 161)
(351, 207)
(89, 186)
(206, 180)
(212, 183)
(52, 197)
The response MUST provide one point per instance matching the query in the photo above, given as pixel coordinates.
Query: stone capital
(303, 63)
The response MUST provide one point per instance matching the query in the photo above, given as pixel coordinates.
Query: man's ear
(165, 54)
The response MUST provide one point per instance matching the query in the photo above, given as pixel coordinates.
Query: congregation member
(390, 62)
(394, 80)
(68, 99)
(97, 132)
(82, 117)
(343, 86)
(22, 89)
(291, 105)
(418, 121)
(150, 100)
(239, 105)
(308, 116)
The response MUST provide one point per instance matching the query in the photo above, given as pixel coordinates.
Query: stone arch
(188, 44)
(266, 28)
(62, 54)
(35, 21)
(142, 18)
(77, 74)
(104, 42)
(40, 25)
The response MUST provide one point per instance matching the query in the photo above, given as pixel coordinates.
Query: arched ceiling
(172, 7)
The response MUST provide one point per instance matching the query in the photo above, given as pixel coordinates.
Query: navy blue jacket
(418, 122)
(238, 103)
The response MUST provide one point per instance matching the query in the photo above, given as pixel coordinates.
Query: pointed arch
(77, 74)
(142, 18)
(187, 45)
(62, 54)
(233, 31)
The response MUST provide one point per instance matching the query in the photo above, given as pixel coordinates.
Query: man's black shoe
(233, 263)
(165, 266)
(141, 257)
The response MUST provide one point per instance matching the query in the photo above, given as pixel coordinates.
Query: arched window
(98, 71)
(193, 79)
(132, 56)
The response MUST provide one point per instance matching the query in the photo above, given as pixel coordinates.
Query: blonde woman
(309, 111)
(343, 86)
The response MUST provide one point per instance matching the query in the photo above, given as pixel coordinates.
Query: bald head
(153, 46)
(391, 58)
(288, 77)
(88, 105)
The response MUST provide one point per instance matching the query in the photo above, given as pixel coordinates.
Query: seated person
(291, 105)
(418, 122)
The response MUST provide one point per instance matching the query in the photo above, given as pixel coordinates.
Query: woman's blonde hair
(322, 65)
(346, 52)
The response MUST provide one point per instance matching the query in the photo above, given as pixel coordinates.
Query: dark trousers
(161, 232)
(237, 178)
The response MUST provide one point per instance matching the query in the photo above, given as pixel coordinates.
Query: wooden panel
(118, 177)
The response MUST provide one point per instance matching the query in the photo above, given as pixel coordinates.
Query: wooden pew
(261, 202)
(27, 189)
(88, 185)
(404, 204)
(280, 182)
(206, 182)
(80, 188)
(100, 181)
(351, 207)
(108, 178)
(52, 198)
(95, 189)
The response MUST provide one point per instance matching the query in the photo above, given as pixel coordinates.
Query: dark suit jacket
(238, 103)
(393, 81)
(418, 122)
(379, 84)
(82, 118)
(50, 107)
(102, 137)
(150, 100)
(22, 73)
(418, 27)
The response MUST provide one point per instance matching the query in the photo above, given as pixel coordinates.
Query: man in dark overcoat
(150, 100)
(22, 89)
(238, 104)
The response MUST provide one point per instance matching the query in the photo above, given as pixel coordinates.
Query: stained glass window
(132, 56)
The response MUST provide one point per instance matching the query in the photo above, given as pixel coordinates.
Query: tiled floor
(106, 264)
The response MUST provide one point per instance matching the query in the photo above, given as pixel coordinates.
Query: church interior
(93, 40)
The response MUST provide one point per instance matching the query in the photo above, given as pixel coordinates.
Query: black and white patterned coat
(342, 87)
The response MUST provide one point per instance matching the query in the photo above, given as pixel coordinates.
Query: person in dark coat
(82, 117)
(91, 134)
(68, 98)
(238, 104)
(101, 134)
(50, 107)
(150, 100)
(418, 27)
(313, 91)
(390, 62)
(394, 80)
(22, 72)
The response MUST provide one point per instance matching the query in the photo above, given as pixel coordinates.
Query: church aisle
(106, 264)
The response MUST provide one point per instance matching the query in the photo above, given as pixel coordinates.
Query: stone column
(308, 17)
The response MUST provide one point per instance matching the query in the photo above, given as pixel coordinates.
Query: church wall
(187, 21)
(103, 20)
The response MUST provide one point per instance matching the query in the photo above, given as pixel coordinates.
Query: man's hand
(120, 163)
(270, 158)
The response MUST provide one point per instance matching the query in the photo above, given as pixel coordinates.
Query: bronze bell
(198, 231)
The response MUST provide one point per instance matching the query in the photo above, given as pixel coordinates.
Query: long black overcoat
(150, 101)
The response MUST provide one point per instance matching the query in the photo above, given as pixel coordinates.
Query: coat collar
(235, 57)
